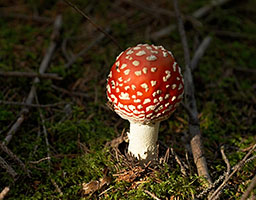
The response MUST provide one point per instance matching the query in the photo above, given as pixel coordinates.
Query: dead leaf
(90, 187)
(94, 185)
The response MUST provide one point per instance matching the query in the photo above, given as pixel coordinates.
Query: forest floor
(57, 148)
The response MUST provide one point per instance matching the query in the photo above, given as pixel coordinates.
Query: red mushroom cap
(145, 84)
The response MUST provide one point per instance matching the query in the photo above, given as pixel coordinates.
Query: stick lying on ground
(31, 104)
(47, 146)
(190, 103)
(249, 189)
(200, 52)
(4, 192)
(14, 157)
(31, 75)
(8, 168)
(25, 17)
(197, 14)
(237, 167)
(42, 69)
(73, 59)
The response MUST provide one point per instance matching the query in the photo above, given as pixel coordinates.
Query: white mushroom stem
(142, 141)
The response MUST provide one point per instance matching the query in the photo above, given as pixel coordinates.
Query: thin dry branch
(39, 161)
(181, 164)
(8, 168)
(4, 192)
(237, 167)
(200, 52)
(73, 59)
(150, 10)
(70, 93)
(47, 148)
(151, 195)
(57, 187)
(222, 177)
(207, 8)
(31, 75)
(157, 11)
(249, 189)
(31, 104)
(197, 14)
(26, 17)
(225, 160)
(42, 69)
(45, 133)
(190, 102)
(93, 23)
(14, 157)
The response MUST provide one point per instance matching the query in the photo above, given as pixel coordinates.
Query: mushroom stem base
(142, 141)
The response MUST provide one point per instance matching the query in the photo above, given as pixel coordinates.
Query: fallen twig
(45, 133)
(154, 10)
(234, 35)
(26, 17)
(190, 102)
(237, 167)
(41, 160)
(200, 52)
(57, 187)
(225, 160)
(151, 195)
(250, 159)
(150, 10)
(93, 23)
(207, 190)
(65, 91)
(31, 75)
(14, 157)
(247, 70)
(31, 104)
(226, 174)
(181, 164)
(47, 148)
(86, 49)
(4, 192)
(207, 8)
(8, 168)
(249, 189)
(44, 64)
(197, 14)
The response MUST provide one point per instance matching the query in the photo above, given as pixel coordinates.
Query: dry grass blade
(94, 24)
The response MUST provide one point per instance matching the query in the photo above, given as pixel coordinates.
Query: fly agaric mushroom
(144, 86)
